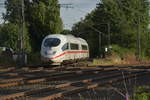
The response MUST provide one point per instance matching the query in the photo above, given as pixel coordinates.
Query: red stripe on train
(69, 52)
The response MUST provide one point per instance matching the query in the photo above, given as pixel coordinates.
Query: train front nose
(50, 48)
(48, 55)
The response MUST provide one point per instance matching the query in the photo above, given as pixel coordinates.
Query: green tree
(13, 11)
(42, 17)
(65, 31)
(9, 37)
(124, 17)
(147, 43)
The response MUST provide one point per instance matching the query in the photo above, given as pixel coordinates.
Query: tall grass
(142, 93)
(122, 52)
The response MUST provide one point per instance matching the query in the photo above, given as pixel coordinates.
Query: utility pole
(139, 40)
(108, 37)
(21, 55)
(108, 25)
(22, 29)
(99, 44)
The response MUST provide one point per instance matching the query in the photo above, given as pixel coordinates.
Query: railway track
(52, 83)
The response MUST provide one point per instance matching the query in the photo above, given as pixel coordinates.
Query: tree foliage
(42, 17)
(13, 11)
(65, 32)
(9, 37)
(124, 16)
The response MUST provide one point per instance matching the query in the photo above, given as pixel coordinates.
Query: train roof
(68, 37)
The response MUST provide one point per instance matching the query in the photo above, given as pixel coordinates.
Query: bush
(6, 61)
(34, 58)
(6, 56)
(142, 93)
(122, 52)
(9, 37)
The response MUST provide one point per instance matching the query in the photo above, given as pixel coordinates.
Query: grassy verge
(142, 93)
(97, 62)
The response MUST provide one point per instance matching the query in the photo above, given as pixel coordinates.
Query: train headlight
(50, 53)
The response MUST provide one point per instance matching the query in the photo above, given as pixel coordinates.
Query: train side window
(65, 47)
(84, 47)
(74, 46)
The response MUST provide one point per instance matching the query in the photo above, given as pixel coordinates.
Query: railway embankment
(116, 60)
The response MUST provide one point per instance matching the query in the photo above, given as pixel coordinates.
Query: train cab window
(84, 47)
(52, 42)
(65, 47)
(74, 46)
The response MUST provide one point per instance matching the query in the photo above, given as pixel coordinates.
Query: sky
(79, 10)
(70, 16)
(2, 10)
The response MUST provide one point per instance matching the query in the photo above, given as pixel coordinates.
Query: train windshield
(52, 42)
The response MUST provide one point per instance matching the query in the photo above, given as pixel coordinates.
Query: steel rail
(15, 72)
(31, 80)
(91, 86)
(21, 81)
(59, 86)
(6, 69)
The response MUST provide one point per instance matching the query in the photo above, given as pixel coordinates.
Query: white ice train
(59, 48)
